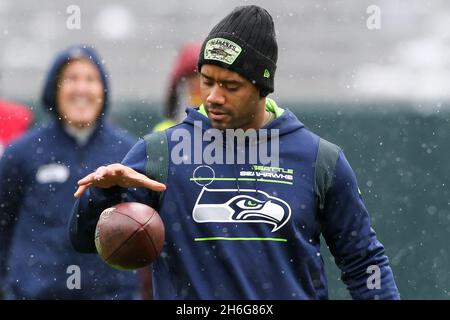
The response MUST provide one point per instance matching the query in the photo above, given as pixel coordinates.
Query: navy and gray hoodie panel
(250, 232)
(38, 176)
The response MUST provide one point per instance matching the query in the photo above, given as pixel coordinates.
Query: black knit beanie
(244, 42)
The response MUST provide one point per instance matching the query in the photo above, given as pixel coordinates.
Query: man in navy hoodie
(37, 177)
(241, 224)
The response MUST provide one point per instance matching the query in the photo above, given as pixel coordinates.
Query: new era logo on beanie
(244, 42)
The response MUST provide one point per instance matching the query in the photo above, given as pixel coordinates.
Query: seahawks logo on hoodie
(242, 206)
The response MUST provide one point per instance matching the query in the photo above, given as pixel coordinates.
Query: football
(129, 235)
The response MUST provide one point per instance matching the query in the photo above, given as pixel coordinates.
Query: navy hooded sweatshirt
(246, 231)
(38, 175)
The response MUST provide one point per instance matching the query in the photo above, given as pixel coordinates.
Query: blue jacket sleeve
(89, 206)
(347, 230)
(12, 184)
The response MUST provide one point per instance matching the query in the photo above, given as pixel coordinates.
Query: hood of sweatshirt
(285, 121)
(74, 52)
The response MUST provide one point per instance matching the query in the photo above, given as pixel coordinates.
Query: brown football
(129, 235)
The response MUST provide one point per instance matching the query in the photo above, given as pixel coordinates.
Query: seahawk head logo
(245, 206)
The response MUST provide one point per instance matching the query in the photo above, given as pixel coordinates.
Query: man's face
(230, 100)
(80, 93)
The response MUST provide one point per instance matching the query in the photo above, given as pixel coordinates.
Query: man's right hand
(117, 175)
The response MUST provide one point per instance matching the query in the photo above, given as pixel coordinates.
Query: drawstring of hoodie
(236, 169)
(236, 180)
(255, 182)
(252, 166)
(236, 175)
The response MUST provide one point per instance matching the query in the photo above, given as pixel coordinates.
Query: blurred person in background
(14, 121)
(184, 86)
(38, 173)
